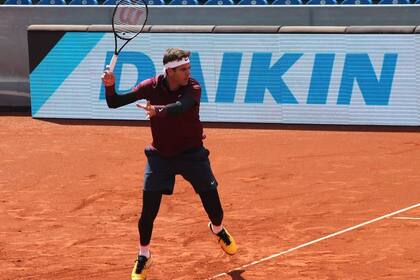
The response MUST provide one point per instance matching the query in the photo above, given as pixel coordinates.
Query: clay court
(303, 202)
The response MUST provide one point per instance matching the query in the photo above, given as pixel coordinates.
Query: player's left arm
(190, 99)
(173, 109)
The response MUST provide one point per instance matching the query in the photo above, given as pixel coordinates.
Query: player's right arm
(115, 100)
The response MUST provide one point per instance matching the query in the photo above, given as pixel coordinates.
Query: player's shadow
(236, 274)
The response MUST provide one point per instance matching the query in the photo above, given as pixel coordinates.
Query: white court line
(316, 241)
(406, 218)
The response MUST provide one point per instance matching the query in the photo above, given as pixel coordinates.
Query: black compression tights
(150, 209)
(211, 203)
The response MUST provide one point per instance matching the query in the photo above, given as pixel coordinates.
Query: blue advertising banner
(257, 78)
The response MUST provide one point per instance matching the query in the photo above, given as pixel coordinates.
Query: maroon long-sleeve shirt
(172, 133)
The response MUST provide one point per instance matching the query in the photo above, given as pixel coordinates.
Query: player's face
(181, 74)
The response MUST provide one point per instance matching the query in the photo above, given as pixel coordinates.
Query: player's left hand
(148, 108)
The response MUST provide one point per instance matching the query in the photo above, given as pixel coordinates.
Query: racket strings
(129, 18)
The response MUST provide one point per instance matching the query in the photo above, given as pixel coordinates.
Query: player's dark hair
(175, 54)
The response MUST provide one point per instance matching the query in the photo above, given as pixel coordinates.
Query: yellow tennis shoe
(141, 266)
(225, 240)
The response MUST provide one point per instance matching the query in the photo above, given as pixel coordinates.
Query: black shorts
(193, 165)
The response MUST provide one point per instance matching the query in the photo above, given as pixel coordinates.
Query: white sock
(144, 251)
(216, 229)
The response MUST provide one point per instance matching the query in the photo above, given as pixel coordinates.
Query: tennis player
(173, 103)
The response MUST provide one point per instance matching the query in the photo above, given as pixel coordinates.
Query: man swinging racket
(173, 103)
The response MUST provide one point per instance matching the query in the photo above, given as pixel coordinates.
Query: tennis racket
(128, 21)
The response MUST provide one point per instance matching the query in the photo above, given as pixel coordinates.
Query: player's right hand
(108, 77)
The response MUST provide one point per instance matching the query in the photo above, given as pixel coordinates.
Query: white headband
(176, 63)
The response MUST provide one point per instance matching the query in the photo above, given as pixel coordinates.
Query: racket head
(129, 18)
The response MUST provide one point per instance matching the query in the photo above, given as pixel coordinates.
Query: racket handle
(113, 62)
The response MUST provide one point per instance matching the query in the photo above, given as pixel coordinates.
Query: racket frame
(116, 50)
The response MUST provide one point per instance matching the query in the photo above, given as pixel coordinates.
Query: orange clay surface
(70, 199)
